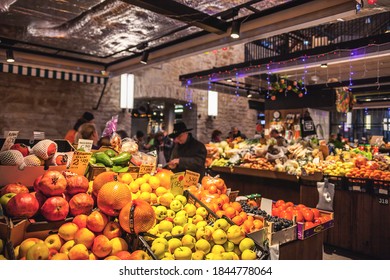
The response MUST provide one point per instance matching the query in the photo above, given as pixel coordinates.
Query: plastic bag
(110, 126)
(129, 145)
(326, 195)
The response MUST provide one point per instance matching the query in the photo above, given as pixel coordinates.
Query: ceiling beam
(285, 20)
(180, 12)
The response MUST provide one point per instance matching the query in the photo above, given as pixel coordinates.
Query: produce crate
(359, 184)
(93, 171)
(233, 195)
(381, 187)
(303, 233)
(211, 216)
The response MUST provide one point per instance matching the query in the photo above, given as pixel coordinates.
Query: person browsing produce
(188, 153)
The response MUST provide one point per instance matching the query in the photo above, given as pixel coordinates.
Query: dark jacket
(192, 155)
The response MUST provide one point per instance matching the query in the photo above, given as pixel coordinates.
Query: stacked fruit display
(111, 159)
(185, 231)
(2, 250)
(22, 155)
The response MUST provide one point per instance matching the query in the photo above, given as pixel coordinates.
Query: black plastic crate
(381, 187)
(339, 182)
(359, 184)
(211, 216)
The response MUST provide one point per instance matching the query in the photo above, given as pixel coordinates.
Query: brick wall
(52, 106)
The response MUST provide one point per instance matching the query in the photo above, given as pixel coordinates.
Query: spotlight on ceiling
(235, 33)
(144, 58)
(10, 56)
(324, 65)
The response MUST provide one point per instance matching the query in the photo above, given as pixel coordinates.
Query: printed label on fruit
(10, 138)
(191, 178)
(85, 145)
(177, 183)
(80, 161)
(146, 169)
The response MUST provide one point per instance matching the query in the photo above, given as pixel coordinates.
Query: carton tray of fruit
(306, 230)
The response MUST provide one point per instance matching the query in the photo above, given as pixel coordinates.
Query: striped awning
(51, 74)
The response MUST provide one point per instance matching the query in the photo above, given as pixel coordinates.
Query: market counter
(361, 220)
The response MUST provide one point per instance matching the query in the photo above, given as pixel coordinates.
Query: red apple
(112, 229)
(36, 183)
(40, 197)
(52, 183)
(81, 203)
(21, 148)
(22, 205)
(14, 188)
(55, 208)
(77, 184)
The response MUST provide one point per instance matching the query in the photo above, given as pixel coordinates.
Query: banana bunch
(220, 162)
(297, 151)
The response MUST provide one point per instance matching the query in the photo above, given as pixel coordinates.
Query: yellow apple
(190, 209)
(171, 214)
(198, 255)
(246, 243)
(102, 246)
(228, 246)
(112, 229)
(39, 251)
(165, 225)
(181, 198)
(84, 236)
(217, 249)
(235, 234)
(67, 230)
(174, 243)
(219, 236)
(78, 252)
(202, 212)
(197, 218)
(180, 220)
(139, 255)
(227, 256)
(177, 230)
(248, 254)
(222, 224)
(67, 246)
(158, 249)
(176, 205)
(26, 244)
(189, 229)
(118, 244)
(168, 256)
(203, 245)
(161, 212)
(60, 256)
(200, 223)
(183, 253)
(188, 241)
(54, 241)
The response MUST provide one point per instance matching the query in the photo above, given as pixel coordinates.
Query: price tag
(384, 201)
(80, 161)
(9, 140)
(356, 188)
(145, 169)
(84, 145)
(39, 135)
(191, 178)
(383, 191)
(266, 205)
(177, 183)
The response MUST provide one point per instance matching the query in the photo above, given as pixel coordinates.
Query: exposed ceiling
(93, 35)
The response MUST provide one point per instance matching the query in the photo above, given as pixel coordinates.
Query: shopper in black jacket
(188, 153)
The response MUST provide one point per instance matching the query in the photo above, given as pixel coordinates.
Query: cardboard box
(12, 174)
(303, 233)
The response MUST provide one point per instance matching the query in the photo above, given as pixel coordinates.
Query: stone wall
(53, 106)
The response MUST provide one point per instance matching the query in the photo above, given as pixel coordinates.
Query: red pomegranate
(52, 183)
(22, 205)
(76, 184)
(14, 188)
(55, 208)
(81, 203)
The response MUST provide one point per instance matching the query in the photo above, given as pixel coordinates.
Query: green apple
(202, 211)
(182, 199)
(171, 214)
(5, 198)
(203, 245)
(228, 246)
(222, 224)
(38, 251)
(183, 253)
(176, 205)
(198, 255)
(177, 230)
(217, 249)
(190, 209)
(235, 234)
(182, 213)
(248, 255)
(190, 229)
(188, 241)
(165, 225)
(174, 243)
(161, 212)
(180, 220)
(246, 243)
(158, 249)
(219, 236)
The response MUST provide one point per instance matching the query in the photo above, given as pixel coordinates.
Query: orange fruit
(236, 205)
(164, 175)
(248, 226)
(112, 197)
(258, 224)
(212, 189)
(238, 220)
(142, 214)
(243, 215)
(220, 213)
(101, 179)
(250, 218)
(230, 212)
(192, 189)
(225, 198)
